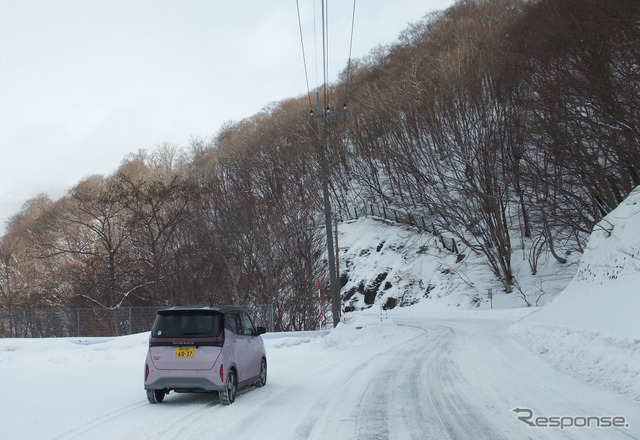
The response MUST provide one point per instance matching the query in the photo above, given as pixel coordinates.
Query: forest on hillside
(502, 121)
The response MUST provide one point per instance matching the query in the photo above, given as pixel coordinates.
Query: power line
(315, 39)
(353, 19)
(325, 49)
(304, 58)
(346, 88)
(324, 14)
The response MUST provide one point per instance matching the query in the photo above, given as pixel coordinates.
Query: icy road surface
(449, 377)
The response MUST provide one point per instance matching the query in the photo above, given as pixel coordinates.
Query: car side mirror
(261, 330)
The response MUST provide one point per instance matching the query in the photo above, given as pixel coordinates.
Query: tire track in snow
(372, 417)
(379, 403)
(189, 423)
(419, 417)
(386, 404)
(192, 410)
(447, 389)
(349, 407)
(437, 407)
(99, 421)
(333, 407)
(324, 416)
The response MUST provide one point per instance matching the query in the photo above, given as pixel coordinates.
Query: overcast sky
(83, 83)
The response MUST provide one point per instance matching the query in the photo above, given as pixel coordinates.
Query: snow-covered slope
(384, 264)
(593, 327)
(388, 265)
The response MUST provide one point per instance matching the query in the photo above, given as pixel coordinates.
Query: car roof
(217, 308)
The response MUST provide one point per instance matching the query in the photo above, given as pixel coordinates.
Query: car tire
(263, 374)
(155, 396)
(228, 395)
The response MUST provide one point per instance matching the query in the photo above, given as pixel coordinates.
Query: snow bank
(592, 328)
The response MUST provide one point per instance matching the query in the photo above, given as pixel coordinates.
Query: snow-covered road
(456, 375)
(477, 375)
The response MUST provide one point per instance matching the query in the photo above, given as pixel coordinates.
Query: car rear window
(187, 324)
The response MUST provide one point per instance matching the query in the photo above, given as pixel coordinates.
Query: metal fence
(397, 216)
(94, 322)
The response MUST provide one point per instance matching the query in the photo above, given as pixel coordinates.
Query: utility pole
(324, 174)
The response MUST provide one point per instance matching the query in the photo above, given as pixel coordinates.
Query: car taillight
(221, 373)
(146, 372)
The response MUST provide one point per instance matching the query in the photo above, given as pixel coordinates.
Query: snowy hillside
(386, 265)
(593, 328)
(389, 265)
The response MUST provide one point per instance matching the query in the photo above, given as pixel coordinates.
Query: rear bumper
(183, 384)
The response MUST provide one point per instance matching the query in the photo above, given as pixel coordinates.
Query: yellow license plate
(183, 352)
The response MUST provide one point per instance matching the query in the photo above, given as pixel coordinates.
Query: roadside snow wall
(593, 327)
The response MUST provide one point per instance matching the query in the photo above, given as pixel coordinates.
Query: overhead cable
(304, 58)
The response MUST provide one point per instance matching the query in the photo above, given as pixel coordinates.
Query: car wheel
(155, 396)
(228, 395)
(263, 374)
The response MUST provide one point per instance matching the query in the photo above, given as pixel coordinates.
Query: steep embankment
(383, 264)
(592, 328)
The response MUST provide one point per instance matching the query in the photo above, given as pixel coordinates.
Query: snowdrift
(592, 327)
